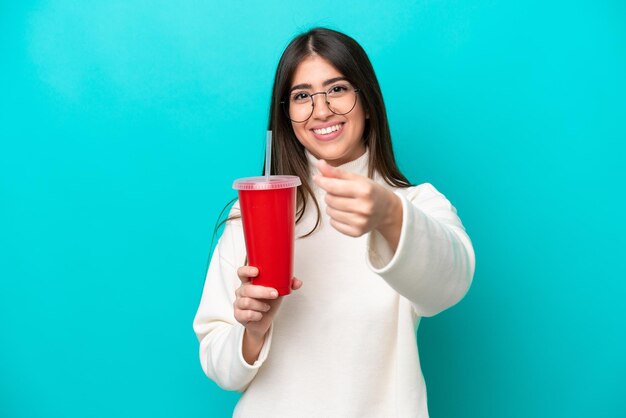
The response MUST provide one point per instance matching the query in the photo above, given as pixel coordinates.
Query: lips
(328, 132)
(325, 131)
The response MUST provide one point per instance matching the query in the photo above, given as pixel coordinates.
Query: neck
(358, 165)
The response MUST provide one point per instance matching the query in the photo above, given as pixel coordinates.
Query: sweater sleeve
(434, 262)
(219, 334)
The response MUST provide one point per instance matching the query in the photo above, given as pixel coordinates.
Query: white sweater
(344, 345)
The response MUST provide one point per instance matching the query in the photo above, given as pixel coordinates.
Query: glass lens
(300, 106)
(340, 99)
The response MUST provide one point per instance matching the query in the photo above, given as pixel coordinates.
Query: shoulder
(426, 197)
(234, 215)
(231, 244)
(420, 192)
(416, 191)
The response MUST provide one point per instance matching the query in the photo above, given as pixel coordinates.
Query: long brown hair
(288, 154)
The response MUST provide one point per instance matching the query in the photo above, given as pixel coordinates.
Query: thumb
(297, 284)
(327, 170)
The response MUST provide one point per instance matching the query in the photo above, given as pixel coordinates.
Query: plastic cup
(268, 214)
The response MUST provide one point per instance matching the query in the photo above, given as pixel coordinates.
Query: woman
(374, 255)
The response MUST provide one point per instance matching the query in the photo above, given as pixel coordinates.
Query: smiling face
(338, 139)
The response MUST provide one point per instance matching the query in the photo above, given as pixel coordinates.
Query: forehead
(314, 70)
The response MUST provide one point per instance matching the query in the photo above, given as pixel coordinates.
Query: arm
(221, 337)
(434, 261)
(416, 241)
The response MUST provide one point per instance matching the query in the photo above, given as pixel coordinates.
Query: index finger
(245, 272)
(328, 170)
(258, 292)
(337, 187)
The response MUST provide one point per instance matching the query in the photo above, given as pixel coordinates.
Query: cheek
(297, 130)
(359, 116)
(358, 124)
(300, 132)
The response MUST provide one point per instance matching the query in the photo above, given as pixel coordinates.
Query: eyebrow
(325, 83)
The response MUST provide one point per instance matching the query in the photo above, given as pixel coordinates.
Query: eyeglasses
(340, 99)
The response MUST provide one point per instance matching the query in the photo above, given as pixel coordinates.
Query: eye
(338, 90)
(300, 97)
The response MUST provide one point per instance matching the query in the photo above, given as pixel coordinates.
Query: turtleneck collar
(358, 166)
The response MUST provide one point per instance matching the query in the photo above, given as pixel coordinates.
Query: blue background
(123, 124)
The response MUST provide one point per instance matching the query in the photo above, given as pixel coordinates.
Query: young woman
(373, 255)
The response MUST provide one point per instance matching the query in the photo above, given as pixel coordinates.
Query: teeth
(325, 131)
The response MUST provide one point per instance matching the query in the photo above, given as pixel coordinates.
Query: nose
(320, 108)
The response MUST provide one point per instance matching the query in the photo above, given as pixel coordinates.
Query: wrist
(255, 339)
(391, 225)
(252, 346)
(393, 217)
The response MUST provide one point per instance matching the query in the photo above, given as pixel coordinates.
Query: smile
(328, 130)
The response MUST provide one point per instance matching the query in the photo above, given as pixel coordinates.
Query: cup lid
(261, 183)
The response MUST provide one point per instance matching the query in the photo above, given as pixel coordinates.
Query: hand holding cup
(256, 306)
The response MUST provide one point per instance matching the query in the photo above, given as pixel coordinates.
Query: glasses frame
(285, 105)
